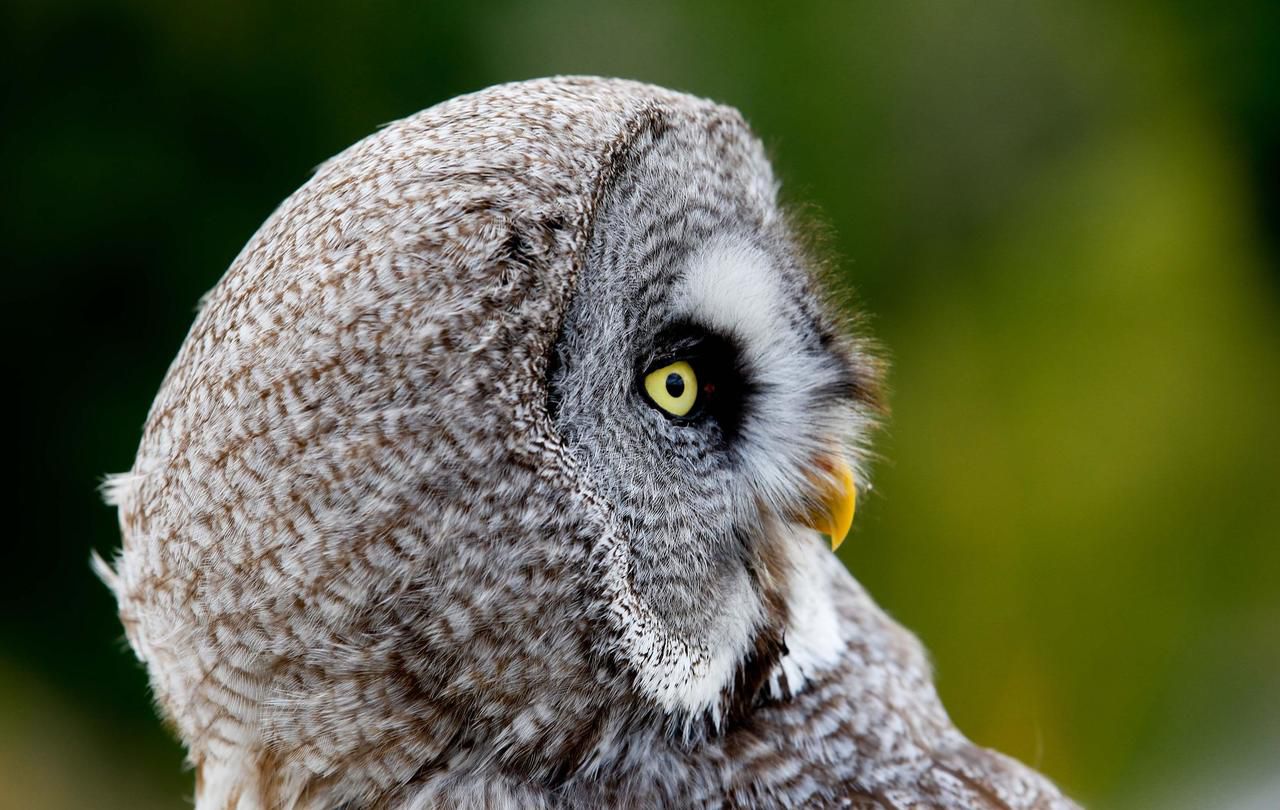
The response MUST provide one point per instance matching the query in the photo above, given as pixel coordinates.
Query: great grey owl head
(499, 457)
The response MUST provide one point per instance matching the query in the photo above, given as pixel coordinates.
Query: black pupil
(675, 385)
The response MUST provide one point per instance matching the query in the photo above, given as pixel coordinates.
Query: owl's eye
(695, 378)
(673, 387)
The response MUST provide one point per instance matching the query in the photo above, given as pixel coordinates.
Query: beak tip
(844, 522)
(839, 501)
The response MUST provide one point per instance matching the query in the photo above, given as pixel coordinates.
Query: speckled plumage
(401, 534)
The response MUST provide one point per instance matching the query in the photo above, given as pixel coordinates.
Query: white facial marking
(814, 638)
(733, 288)
(679, 674)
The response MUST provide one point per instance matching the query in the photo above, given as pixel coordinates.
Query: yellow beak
(837, 499)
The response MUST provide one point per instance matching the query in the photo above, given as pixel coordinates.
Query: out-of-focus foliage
(1064, 218)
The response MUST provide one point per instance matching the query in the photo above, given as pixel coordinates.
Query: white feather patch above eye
(732, 287)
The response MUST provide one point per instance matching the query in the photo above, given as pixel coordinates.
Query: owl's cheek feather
(837, 500)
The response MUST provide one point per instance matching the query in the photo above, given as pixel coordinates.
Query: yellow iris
(673, 388)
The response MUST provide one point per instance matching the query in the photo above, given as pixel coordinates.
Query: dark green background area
(1064, 219)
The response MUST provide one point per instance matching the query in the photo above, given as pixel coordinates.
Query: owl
(503, 468)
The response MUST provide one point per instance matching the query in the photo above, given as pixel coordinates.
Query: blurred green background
(1064, 217)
